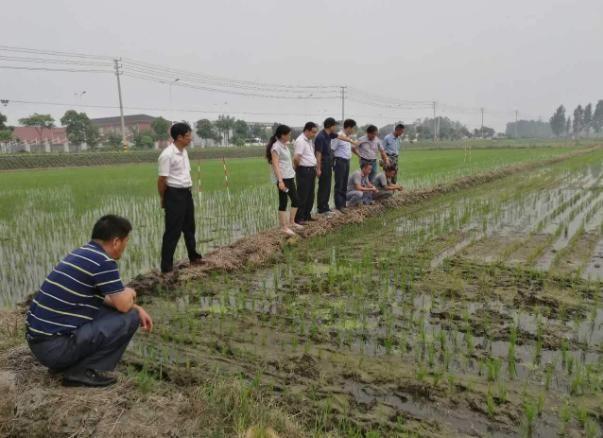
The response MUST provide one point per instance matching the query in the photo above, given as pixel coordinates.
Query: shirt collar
(176, 150)
(97, 246)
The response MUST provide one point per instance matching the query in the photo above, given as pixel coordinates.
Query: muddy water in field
(417, 322)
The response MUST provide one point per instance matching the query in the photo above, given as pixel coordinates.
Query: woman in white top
(279, 156)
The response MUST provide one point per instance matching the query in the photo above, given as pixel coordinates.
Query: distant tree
(5, 135)
(410, 132)
(578, 125)
(5, 131)
(3, 122)
(274, 126)
(113, 139)
(424, 129)
(79, 128)
(143, 139)
(224, 124)
(161, 129)
(598, 117)
(446, 128)
(259, 131)
(557, 121)
(205, 129)
(588, 118)
(38, 120)
(240, 132)
(485, 132)
(531, 129)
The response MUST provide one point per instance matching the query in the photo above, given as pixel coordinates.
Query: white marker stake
(226, 178)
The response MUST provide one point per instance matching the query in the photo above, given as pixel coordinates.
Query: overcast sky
(501, 55)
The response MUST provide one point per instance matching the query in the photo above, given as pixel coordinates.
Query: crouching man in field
(82, 318)
(384, 183)
(360, 190)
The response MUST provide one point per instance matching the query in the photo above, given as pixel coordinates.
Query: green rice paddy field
(477, 312)
(45, 213)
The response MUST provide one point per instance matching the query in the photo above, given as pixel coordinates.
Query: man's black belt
(180, 189)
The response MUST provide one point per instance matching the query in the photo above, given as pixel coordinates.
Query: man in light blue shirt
(391, 145)
(342, 153)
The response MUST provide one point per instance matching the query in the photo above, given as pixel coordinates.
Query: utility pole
(342, 104)
(121, 106)
(482, 122)
(434, 121)
(516, 122)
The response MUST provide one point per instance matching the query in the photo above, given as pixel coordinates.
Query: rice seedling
(494, 366)
(511, 359)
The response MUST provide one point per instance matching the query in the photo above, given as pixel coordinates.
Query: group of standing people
(326, 155)
(83, 316)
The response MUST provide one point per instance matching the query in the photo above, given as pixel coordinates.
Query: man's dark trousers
(393, 161)
(97, 345)
(342, 174)
(179, 219)
(306, 182)
(324, 185)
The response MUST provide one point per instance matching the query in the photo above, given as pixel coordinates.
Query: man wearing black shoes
(82, 318)
(174, 186)
(342, 153)
(305, 164)
(324, 157)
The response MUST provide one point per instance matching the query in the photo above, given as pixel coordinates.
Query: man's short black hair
(329, 122)
(111, 227)
(399, 126)
(349, 123)
(309, 126)
(180, 128)
(371, 129)
(365, 163)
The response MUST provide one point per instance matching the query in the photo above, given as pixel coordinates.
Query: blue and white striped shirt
(73, 292)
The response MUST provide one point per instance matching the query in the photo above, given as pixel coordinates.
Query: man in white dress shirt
(305, 163)
(174, 186)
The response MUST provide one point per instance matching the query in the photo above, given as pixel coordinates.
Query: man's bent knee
(133, 320)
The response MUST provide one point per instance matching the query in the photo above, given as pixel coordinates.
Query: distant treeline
(585, 121)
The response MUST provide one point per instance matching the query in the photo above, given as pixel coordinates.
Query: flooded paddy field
(475, 313)
(45, 213)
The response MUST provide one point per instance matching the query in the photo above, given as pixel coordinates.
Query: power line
(69, 70)
(235, 92)
(22, 59)
(159, 109)
(73, 62)
(161, 70)
(52, 53)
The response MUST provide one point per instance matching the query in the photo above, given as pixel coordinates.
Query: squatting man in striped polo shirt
(82, 317)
